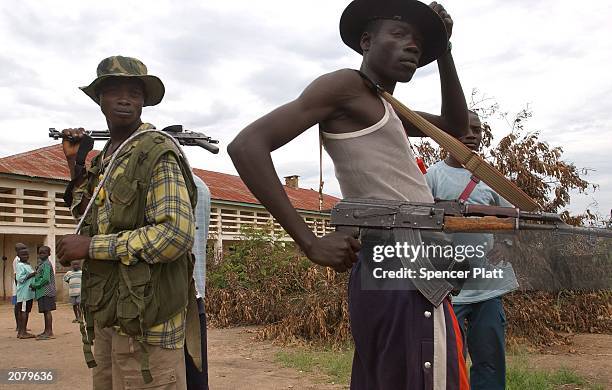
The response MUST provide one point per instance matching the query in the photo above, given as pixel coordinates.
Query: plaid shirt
(168, 232)
(44, 280)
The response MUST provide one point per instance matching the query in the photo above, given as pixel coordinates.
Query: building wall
(32, 211)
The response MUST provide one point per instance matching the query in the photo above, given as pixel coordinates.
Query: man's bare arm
(454, 117)
(250, 152)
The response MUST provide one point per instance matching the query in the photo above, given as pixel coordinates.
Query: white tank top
(377, 162)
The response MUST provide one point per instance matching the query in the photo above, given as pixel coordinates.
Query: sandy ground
(236, 361)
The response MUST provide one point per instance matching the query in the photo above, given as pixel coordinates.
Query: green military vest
(141, 295)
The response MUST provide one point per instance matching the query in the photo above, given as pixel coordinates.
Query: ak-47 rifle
(351, 215)
(184, 137)
(581, 262)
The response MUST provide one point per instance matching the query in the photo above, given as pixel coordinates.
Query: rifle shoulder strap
(469, 159)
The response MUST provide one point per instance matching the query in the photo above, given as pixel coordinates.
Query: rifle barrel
(565, 228)
(206, 145)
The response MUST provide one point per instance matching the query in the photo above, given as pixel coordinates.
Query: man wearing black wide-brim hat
(404, 338)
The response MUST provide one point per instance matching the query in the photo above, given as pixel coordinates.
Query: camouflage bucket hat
(119, 66)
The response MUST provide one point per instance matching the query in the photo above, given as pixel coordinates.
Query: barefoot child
(24, 295)
(44, 285)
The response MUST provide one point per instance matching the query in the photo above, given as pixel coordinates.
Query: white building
(32, 210)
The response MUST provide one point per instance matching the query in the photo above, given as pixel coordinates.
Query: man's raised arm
(454, 116)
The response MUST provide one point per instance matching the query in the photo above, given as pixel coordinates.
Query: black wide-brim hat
(359, 13)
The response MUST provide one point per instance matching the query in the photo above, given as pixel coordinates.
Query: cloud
(226, 64)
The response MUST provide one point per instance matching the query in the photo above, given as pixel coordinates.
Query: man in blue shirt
(480, 300)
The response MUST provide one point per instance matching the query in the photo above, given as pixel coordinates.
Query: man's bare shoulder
(340, 80)
(336, 87)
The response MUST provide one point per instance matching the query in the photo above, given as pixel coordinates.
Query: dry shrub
(263, 282)
(542, 318)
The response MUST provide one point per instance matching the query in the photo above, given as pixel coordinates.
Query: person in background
(198, 380)
(44, 286)
(25, 295)
(18, 246)
(480, 301)
(73, 278)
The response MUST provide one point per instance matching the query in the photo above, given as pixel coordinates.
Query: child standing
(73, 278)
(24, 295)
(44, 286)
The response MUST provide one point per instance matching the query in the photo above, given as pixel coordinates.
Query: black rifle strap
(85, 146)
(369, 83)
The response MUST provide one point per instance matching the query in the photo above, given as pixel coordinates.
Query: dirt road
(236, 361)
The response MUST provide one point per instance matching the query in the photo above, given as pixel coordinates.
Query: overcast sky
(224, 64)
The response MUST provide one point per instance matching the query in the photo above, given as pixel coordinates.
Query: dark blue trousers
(398, 333)
(484, 336)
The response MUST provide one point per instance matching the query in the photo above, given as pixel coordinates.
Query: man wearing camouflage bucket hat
(119, 66)
(405, 337)
(137, 295)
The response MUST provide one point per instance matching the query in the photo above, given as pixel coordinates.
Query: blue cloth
(484, 337)
(202, 219)
(447, 183)
(24, 292)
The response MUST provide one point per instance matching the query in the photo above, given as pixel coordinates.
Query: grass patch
(336, 365)
(520, 376)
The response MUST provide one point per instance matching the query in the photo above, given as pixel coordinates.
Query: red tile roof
(49, 163)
